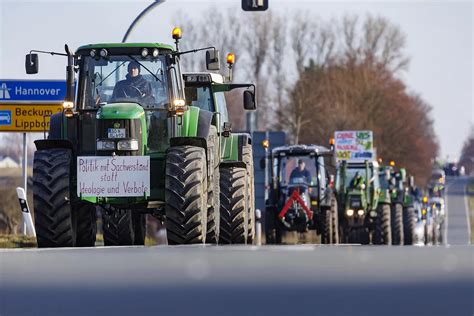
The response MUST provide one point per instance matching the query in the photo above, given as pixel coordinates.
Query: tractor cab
(299, 187)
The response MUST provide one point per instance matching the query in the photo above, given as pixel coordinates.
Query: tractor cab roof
(124, 48)
(300, 150)
(203, 77)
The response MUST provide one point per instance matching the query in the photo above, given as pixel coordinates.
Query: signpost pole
(25, 173)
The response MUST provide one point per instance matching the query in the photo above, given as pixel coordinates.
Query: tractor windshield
(124, 78)
(199, 96)
(298, 171)
(352, 173)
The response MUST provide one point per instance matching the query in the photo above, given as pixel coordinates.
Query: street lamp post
(140, 16)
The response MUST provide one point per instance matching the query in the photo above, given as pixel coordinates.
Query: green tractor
(131, 147)
(392, 192)
(364, 213)
(237, 212)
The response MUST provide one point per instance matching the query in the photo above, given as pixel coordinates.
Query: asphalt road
(458, 229)
(238, 280)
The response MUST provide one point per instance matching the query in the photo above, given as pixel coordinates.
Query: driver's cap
(133, 64)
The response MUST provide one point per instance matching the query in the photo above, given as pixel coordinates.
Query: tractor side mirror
(263, 163)
(31, 64)
(212, 60)
(249, 100)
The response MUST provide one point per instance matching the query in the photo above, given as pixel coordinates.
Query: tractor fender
(53, 143)
(196, 123)
(55, 126)
(233, 147)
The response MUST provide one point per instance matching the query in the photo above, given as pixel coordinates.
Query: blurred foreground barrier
(29, 228)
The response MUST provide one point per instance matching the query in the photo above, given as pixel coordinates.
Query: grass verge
(470, 204)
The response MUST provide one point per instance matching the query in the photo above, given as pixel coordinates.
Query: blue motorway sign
(32, 90)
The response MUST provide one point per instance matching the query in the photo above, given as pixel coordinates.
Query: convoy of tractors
(137, 136)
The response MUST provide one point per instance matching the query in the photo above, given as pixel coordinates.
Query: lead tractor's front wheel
(186, 195)
(55, 222)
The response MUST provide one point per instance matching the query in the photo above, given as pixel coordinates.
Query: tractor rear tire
(326, 222)
(397, 224)
(55, 223)
(139, 228)
(234, 210)
(247, 157)
(186, 195)
(409, 222)
(382, 233)
(117, 225)
(213, 213)
(86, 231)
(270, 225)
(334, 221)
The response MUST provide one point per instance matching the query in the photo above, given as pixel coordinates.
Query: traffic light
(254, 5)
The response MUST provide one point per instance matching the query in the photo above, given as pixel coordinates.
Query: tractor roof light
(230, 59)
(179, 107)
(156, 52)
(266, 143)
(103, 53)
(425, 199)
(392, 163)
(67, 105)
(144, 52)
(93, 53)
(177, 33)
(331, 141)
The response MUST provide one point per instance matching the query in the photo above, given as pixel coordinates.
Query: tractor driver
(356, 181)
(134, 86)
(301, 172)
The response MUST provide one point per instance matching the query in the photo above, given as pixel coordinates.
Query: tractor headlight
(131, 144)
(360, 212)
(350, 212)
(105, 145)
(178, 107)
(373, 214)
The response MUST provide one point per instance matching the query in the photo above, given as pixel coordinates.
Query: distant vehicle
(300, 195)
(451, 169)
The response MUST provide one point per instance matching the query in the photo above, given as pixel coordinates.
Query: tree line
(315, 76)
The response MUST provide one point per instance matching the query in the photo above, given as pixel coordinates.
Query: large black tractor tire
(270, 226)
(397, 224)
(247, 155)
(55, 222)
(139, 228)
(213, 214)
(382, 229)
(186, 195)
(117, 225)
(86, 216)
(409, 222)
(334, 221)
(234, 210)
(326, 229)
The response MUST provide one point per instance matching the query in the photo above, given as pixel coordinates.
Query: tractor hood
(120, 111)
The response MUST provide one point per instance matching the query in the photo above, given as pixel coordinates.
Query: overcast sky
(439, 42)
